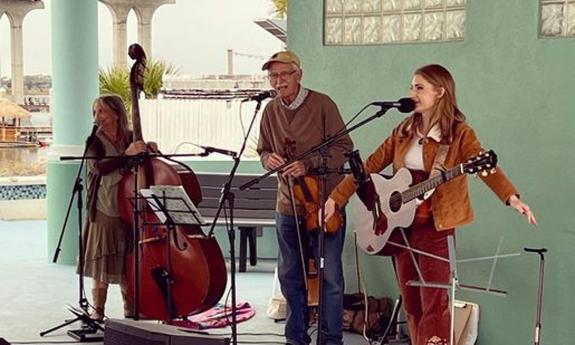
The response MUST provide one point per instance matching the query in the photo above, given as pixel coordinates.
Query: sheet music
(176, 202)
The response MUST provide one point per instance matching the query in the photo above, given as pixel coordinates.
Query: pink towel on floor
(218, 316)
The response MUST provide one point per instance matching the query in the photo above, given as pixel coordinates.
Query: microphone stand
(135, 162)
(323, 150)
(318, 147)
(228, 195)
(87, 332)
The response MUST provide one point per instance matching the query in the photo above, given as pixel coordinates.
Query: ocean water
(26, 161)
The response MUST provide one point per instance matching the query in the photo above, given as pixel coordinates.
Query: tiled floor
(34, 293)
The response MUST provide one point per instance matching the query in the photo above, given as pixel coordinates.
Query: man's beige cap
(286, 56)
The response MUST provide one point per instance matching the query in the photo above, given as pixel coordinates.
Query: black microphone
(260, 96)
(93, 133)
(210, 149)
(356, 166)
(404, 105)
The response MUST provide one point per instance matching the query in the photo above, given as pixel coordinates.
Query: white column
(145, 15)
(17, 58)
(16, 11)
(120, 39)
(144, 11)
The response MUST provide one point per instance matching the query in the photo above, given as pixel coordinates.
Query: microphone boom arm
(318, 147)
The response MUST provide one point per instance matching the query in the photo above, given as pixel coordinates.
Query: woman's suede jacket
(450, 202)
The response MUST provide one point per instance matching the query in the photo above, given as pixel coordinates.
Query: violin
(306, 190)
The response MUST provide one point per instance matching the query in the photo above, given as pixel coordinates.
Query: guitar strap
(438, 163)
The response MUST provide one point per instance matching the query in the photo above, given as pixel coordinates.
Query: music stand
(172, 206)
(453, 283)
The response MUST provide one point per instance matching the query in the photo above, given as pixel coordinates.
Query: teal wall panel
(517, 91)
(75, 85)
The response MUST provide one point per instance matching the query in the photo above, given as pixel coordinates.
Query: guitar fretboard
(427, 185)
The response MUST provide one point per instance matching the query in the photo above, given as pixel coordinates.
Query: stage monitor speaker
(130, 332)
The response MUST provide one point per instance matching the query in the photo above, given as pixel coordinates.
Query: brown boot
(99, 296)
(128, 306)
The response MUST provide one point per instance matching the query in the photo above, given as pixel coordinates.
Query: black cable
(242, 120)
(184, 165)
(351, 120)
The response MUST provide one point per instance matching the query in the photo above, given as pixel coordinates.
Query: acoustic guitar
(389, 204)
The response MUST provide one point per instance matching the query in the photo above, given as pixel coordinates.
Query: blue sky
(193, 35)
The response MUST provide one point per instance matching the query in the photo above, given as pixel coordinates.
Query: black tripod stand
(91, 329)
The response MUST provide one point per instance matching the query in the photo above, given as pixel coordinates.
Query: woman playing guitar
(414, 144)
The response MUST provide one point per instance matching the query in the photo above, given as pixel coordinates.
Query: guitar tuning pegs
(484, 173)
(492, 171)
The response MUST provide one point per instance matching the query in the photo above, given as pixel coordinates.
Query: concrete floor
(35, 293)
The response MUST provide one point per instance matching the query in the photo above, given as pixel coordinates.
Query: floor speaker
(128, 332)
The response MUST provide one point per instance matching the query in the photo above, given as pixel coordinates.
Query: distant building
(221, 87)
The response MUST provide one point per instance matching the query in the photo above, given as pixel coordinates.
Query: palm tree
(154, 77)
(281, 8)
(117, 80)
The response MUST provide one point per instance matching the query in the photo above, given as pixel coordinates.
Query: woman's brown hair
(116, 104)
(446, 113)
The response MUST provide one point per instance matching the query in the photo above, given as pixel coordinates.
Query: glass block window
(557, 18)
(366, 22)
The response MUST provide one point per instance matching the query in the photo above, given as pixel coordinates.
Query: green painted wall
(517, 91)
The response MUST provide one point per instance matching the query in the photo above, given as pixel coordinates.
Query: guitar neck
(432, 183)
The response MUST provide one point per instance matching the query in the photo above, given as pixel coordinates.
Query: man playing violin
(293, 122)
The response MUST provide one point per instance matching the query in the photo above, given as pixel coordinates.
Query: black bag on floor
(379, 311)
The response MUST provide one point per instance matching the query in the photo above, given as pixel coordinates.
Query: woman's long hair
(116, 104)
(446, 113)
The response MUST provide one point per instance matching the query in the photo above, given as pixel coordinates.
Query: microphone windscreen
(406, 105)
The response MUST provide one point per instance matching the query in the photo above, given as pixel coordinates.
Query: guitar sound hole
(395, 201)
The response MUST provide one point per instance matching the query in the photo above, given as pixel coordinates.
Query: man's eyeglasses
(282, 75)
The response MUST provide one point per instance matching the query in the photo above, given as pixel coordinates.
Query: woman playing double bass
(107, 238)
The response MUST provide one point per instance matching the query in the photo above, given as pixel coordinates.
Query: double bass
(175, 271)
